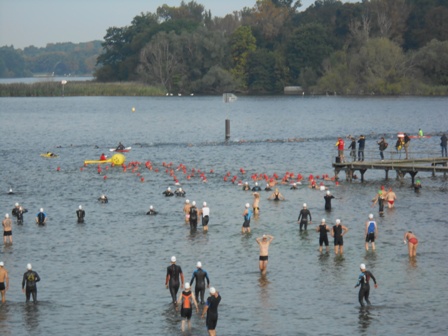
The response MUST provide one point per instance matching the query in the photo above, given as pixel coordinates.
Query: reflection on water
(364, 319)
(31, 316)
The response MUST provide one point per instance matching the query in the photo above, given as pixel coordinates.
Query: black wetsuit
(19, 215)
(381, 204)
(256, 188)
(267, 189)
(364, 291)
(212, 312)
(14, 211)
(323, 237)
(152, 212)
(180, 193)
(200, 275)
(30, 278)
(81, 214)
(103, 200)
(303, 218)
(337, 232)
(193, 217)
(168, 193)
(246, 187)
(173, 272)
(41, 218)
(328, 199)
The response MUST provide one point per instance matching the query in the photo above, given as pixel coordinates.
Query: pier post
(412, 177)
(387, 174)
(362, 171)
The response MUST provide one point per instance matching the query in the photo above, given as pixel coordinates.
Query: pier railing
(374, 155)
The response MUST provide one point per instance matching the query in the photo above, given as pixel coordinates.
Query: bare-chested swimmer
(390, 198)
(256, 204)
(186, 211)
(412, 242)
(276, 196)
(264, 243)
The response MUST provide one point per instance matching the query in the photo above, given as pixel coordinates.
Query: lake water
(107, 276)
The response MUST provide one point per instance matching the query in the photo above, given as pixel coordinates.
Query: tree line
(370, 47)
(59, 59)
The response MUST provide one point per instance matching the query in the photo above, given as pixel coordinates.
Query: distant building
(293, 90)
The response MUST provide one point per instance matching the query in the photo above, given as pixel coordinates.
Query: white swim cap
(193, 203)
(187, 201)
(180, 189)
(41, 209)
(294, 184)
(204, 204)
(247, 205)
(362, 266)
(304, 205)
(187, 285)
(7, 216)
(371, 216)
(1, 263)
(80, 207)
(338, 221)
(151, 207)
(17, 204)
(323, 220)
(267, 185)
(173, 259)
(328, 192)
(199, 264)
(169, 189)
(212, 290)
(256, 183)
(29, 267)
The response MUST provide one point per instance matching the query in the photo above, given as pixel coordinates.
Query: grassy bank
(78, 88)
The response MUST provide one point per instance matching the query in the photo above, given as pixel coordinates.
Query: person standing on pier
(382, 147)
(361, 146)
(340, 145)
(407, 142)
(352, 148)
(443, 141)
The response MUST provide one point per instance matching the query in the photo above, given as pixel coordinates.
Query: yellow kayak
(116, 159)
(49, 155)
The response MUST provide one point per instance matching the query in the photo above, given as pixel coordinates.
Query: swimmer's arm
(271, 238)
(258, 240)
(205, 310)
(345, 229)
(167, 280)
(179, 299)
(182, 278)
(194, 301)
(208, 280)
(332, 232)
(192, 278)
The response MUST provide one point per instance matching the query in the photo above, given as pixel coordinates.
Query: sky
(25, 23)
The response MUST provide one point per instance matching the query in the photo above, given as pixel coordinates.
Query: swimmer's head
(17, 204)
(212, 290)
(41, 209)
(180, 189)
(371, 216)
(256, 183)
(362, 266)
(80, 207)
(169, 189)
(294, 184)
(265, 237)
(187, 201)
(173, 259)
(29, 267)
(151, 207)
(328, 192)
(199, 265)
(323, 220)
(267, 185)
(204, 204)
(187, 285)
(338, 221)
(193, 203)
(6, 215)
(304, 205)
(2, 264)
(247, 205)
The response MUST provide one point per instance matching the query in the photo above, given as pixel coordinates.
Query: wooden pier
(402, 167)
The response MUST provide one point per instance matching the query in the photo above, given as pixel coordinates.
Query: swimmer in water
(20, 214)
(7, 229)
(4, 281)
(103, 199)
(193, 216)
(379, 198)
(363, 280)
(186, 211)
(328, 197)
(200, 275)
(247, 214)
(10, 192)
(185, 299)
(303, 217)
(246, 186)
(41, 217)
(80, 213)
(179, 192)
(412, 242)
(371, 232)
(294, 186)
(256, 204)
(205, 213)
(168, 192)
(417, 186)
(256, 187)
(264, 243)
(276, 196)
(323, 237)
(337, 232)
(15, 210)
(173, 272)
(390, 198)
(151, 211)
(268, 187)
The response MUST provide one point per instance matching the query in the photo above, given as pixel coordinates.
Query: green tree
(13, 63)
(242, 43)
(432, 61)
(265, 72)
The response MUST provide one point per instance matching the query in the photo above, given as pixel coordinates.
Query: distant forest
(380, 47)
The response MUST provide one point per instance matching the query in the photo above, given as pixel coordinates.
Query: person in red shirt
(103, 157)
(340, 144)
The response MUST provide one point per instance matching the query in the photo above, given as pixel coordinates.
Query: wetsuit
(303, 218)
(276, 198)
(186, 310)
(120, 147)
(152, 212)
(370, 237)
(328, 199)
(14, 211)
(212, 312)
(200, 275)
(352, 148)
(267, 189)
(338, 239)
(256, 188)
(381, 204)
(168, 193)
(193, 218)
(179, 193)
(323, 237)
(81, 214)
(20, 215)
(247, 217)
(172, 274)
(246, 187)
(364, 291)
(103, 200)
(41, 216)
(30, 278)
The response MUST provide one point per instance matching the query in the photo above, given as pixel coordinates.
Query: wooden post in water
(227, 129)
(228, 98)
